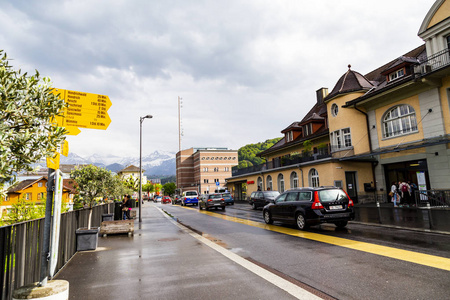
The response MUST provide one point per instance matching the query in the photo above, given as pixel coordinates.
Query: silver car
(208, 201)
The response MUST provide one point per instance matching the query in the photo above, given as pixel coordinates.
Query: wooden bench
(117, 227)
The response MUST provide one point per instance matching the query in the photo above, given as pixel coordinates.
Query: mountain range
(158, 163)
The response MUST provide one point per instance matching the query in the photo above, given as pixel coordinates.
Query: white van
(189, 197)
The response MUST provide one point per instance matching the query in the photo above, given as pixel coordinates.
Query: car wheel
(232, 203)
(254, 207)
(341, 224)
(300, 221)
(206, 208)
(267, 217)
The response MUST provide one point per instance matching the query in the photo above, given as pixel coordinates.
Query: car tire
(267, 217)
(206, 208)
(300, 221)
(254, 207)
(232, 203)
(341, 224)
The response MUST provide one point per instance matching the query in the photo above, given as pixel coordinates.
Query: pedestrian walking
(413, 189)
(406, 193)
(129, 206)
(124, 207)
(394, 193)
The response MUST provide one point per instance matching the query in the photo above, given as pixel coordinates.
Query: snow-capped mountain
(157, 163)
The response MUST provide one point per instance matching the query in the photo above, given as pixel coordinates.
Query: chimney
(321, 94)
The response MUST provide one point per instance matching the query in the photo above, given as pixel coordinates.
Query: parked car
(311, 206)
(189, 197)
(208, 201)
(166, 199)
(157, 199)
(228, 199)
(262, 198)
(176, 200)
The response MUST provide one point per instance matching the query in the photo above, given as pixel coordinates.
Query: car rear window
(332, 195)
(227, 196)
(191, 193)
(215, 196)
(271, 194)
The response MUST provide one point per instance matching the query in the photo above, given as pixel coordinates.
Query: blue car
(228, 199)
(189, 197)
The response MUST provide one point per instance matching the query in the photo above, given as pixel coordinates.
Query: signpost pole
(46, 241)
(141, 119)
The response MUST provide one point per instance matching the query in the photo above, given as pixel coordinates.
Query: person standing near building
(124, 207)
(129, 205)
(394, 193)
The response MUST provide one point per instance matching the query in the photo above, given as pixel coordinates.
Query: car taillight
(350, 201)
(209, 200)
(316, 204)
(222, 199)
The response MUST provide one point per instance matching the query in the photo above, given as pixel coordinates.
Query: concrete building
(204, 169)
(392, 124)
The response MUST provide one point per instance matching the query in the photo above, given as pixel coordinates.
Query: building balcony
(433, 63)
(275, 164)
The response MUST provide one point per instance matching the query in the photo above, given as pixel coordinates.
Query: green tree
(247, 154)
(307, 146)
(27, 109)
(169, 188)
(92, 182)
(131, 183)
(148, 187)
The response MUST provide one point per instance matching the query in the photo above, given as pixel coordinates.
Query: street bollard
(429, 215)
(379, 212)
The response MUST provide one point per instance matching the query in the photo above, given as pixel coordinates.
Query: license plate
(332, 207)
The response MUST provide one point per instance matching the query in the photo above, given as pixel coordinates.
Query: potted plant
(91, 182)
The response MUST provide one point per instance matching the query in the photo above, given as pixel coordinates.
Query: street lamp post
(141, 119)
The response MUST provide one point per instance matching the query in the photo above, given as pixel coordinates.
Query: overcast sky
(245, 69)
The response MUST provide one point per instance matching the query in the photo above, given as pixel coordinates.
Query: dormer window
(397, 74)
(289, 136)
(307, 129)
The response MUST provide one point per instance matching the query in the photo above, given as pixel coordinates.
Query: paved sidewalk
(161, 261)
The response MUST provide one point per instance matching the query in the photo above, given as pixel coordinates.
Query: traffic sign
(85, 110)
(217, 183)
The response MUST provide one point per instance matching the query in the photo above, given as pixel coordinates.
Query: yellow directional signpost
(84, 110)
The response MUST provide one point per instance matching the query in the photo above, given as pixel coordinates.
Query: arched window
(269, 183)
(294, 180)
(399, 120)
(314, 178)
(259, 183)
(280, 181)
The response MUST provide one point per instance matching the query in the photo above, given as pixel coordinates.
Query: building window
(40, 196)
(313, 178)
(289, 136)
(269, 183)
(294, 180)
(28, 196)
(205, 180)
(40, 184)
(334, 109)
(338, 183)
(396, 74)
(341, 139)
(205, 169)
(226, 169)
(216, 169)
(280, 182)
(399, 120)
(259, 183)
(307, 129)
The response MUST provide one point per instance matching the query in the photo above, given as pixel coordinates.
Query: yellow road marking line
(400, 254)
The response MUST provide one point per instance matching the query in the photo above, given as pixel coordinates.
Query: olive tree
(91, 183)
(27, 109)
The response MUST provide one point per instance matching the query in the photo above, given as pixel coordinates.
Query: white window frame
(396, 74)
(341, 139)
(269, 182)
(399, 120)
(313, 178)
(280, 182)
(259, 183)
(334, 109)
(294, 180)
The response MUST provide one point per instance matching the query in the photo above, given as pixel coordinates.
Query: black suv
(262, 198)
(311, 206)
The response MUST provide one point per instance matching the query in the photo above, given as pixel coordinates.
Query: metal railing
(278, 163)
(433, 198)
(434, 62)
(21, 246)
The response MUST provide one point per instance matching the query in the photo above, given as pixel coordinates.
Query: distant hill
(247, 154)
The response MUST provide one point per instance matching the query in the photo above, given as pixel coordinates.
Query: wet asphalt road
(337, 271)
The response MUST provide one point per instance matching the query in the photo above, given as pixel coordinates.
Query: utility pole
(179, 123)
